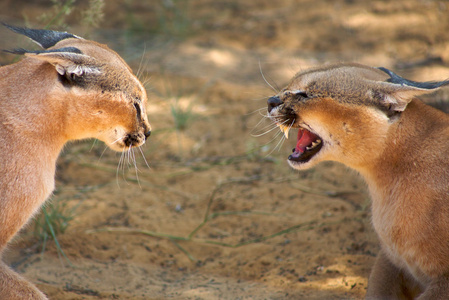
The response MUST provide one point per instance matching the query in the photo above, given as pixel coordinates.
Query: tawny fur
(400, 145)
(46, 100)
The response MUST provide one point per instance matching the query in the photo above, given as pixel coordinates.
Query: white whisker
(144, 159)
(116, 140)
(256, 111)
(129, 156)
(125, 158)
(261, 98)
(118, 168)
(275, 126)
(265, 132)
(281, 141)
(136, 168)
(93, 144)
(261, 73)
(262, 120)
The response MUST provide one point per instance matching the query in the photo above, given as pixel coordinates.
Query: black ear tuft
(429, 85)
(22, 51)
(45, 38)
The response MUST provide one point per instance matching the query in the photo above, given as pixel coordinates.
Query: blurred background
(208, 208)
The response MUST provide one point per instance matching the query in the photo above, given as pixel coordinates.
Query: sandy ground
(217, 213)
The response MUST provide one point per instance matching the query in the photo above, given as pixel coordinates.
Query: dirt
(211, 210)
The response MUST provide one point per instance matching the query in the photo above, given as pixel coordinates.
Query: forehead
(116, 75)
(336, 77)
(100, 52)
(345, 83)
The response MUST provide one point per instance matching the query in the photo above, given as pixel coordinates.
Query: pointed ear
(68, 63)
(44, 38)
(397, 92)
(396, 97)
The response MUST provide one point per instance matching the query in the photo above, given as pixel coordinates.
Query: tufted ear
(68, 62)
(44, 38)
(397, 92)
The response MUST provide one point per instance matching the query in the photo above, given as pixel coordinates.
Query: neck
(31, 137)
(414, 154)
(29, 112)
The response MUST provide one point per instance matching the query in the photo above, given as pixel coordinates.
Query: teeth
(285, 130)
(314, 144)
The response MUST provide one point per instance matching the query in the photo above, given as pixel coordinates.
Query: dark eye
(297, 94)
(302, 94)
(138, 111)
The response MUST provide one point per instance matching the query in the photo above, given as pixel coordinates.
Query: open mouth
(308, 145)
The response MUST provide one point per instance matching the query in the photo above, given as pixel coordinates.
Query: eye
(302, 94)
(138, 111)
(297, 94)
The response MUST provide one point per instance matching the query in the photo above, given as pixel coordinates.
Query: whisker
(144, 159)
(116, 140)
(261, 73)
(141, 60)
(262, 120)
(275, 84)
(256, 111)
(272, 124)
(127, 154)
(105, 148)
(264, 133)
(281, 142)
(136, 168)
(284, 137)
(274, 138)
(266, 116)
(126, 158)
(262, 97)
(93, 144)
(118, 168)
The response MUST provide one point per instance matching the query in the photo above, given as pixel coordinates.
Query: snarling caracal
(73, 89)
(370, 120)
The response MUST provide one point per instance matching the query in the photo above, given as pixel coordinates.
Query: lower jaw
(300, 164)
(297, 165)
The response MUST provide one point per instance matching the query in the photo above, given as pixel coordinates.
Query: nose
(147, 134)
(273, 102)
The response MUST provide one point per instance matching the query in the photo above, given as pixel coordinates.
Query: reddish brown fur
(401, 147)
(39, 114)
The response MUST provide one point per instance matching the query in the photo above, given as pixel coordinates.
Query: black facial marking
(429, 85)
(138, 111)
(22, 51)
(133, 139)
(45, 38)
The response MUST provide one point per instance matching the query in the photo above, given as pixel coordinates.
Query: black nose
(147, 134)
(273, 102)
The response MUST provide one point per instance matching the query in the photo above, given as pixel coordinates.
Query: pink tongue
(305, 138)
